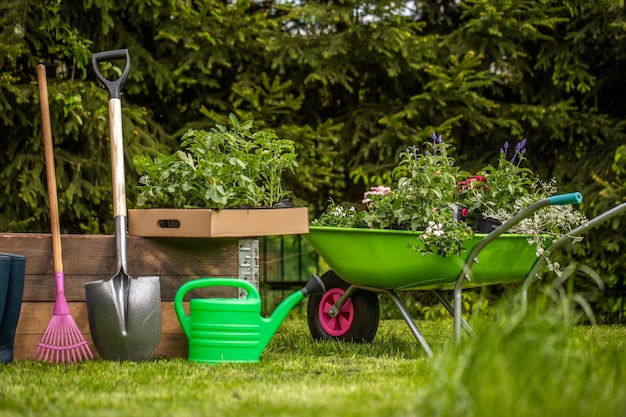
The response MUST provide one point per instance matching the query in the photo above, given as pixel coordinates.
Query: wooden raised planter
(93, 257)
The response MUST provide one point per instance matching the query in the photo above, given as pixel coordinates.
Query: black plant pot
(460, 216)
(400, 226)
(485, 224)
(12, 270)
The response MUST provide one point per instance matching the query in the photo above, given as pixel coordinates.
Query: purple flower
(437, 140)
(412, 150)
(504, 149)
(520, 149)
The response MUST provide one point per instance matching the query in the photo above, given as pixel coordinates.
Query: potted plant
(225, 174)
(425, 199)
(447, 205)
(496, 193)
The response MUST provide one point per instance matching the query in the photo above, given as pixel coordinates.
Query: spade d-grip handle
(114, 86)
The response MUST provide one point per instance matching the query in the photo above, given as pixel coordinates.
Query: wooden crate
(218, 223)
(93, 257)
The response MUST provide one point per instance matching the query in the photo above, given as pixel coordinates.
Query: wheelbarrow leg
(409, 321)
(448, 306)
(334, 311)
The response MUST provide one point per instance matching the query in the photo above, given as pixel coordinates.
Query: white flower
(338, 212)
(434, 229)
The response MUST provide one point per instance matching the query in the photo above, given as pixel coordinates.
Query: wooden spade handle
(115, 127)
(50, 170)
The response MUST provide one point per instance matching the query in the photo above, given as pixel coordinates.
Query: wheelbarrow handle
(564, 199)
(114, 86)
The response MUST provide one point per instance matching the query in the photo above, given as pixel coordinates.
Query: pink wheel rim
(339, 325)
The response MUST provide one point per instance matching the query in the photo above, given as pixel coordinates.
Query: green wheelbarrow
(366, 262)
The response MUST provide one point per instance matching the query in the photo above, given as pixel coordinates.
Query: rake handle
(50, 169)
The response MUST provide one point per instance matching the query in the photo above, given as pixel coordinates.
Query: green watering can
(232, 329)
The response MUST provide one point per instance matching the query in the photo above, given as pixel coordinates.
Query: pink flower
(378, 190)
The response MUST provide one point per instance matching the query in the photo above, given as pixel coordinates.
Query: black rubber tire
(366, 313)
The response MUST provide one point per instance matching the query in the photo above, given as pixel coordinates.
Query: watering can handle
(114, 86)
(216, 282)
(253, 293)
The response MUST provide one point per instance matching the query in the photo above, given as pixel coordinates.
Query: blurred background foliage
(352, 83)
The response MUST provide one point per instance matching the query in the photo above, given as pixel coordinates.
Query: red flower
(468, 182)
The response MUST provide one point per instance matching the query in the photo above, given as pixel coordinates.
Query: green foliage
(425, 199)
(338, 215)
(427, 189)
(44, 32)
(506, 364)
(427, 181)
(500, 188)
(220, 168)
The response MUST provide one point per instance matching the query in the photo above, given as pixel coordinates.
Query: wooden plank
(96, 254)
(93, 257)
(42, 288)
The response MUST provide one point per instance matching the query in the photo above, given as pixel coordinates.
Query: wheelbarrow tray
(383, 259)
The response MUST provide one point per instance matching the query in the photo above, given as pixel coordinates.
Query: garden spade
(124, 312)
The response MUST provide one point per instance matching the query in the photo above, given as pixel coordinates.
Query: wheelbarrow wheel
(357, 320)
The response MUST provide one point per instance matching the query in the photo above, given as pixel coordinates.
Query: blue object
(563, 199)
(12, 272)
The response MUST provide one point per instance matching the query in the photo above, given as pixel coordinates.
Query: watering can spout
(270, 325)
(313, 286)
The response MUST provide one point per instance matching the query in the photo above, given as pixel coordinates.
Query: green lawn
(515, 367)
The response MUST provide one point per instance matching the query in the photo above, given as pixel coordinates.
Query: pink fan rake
(62, 340)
